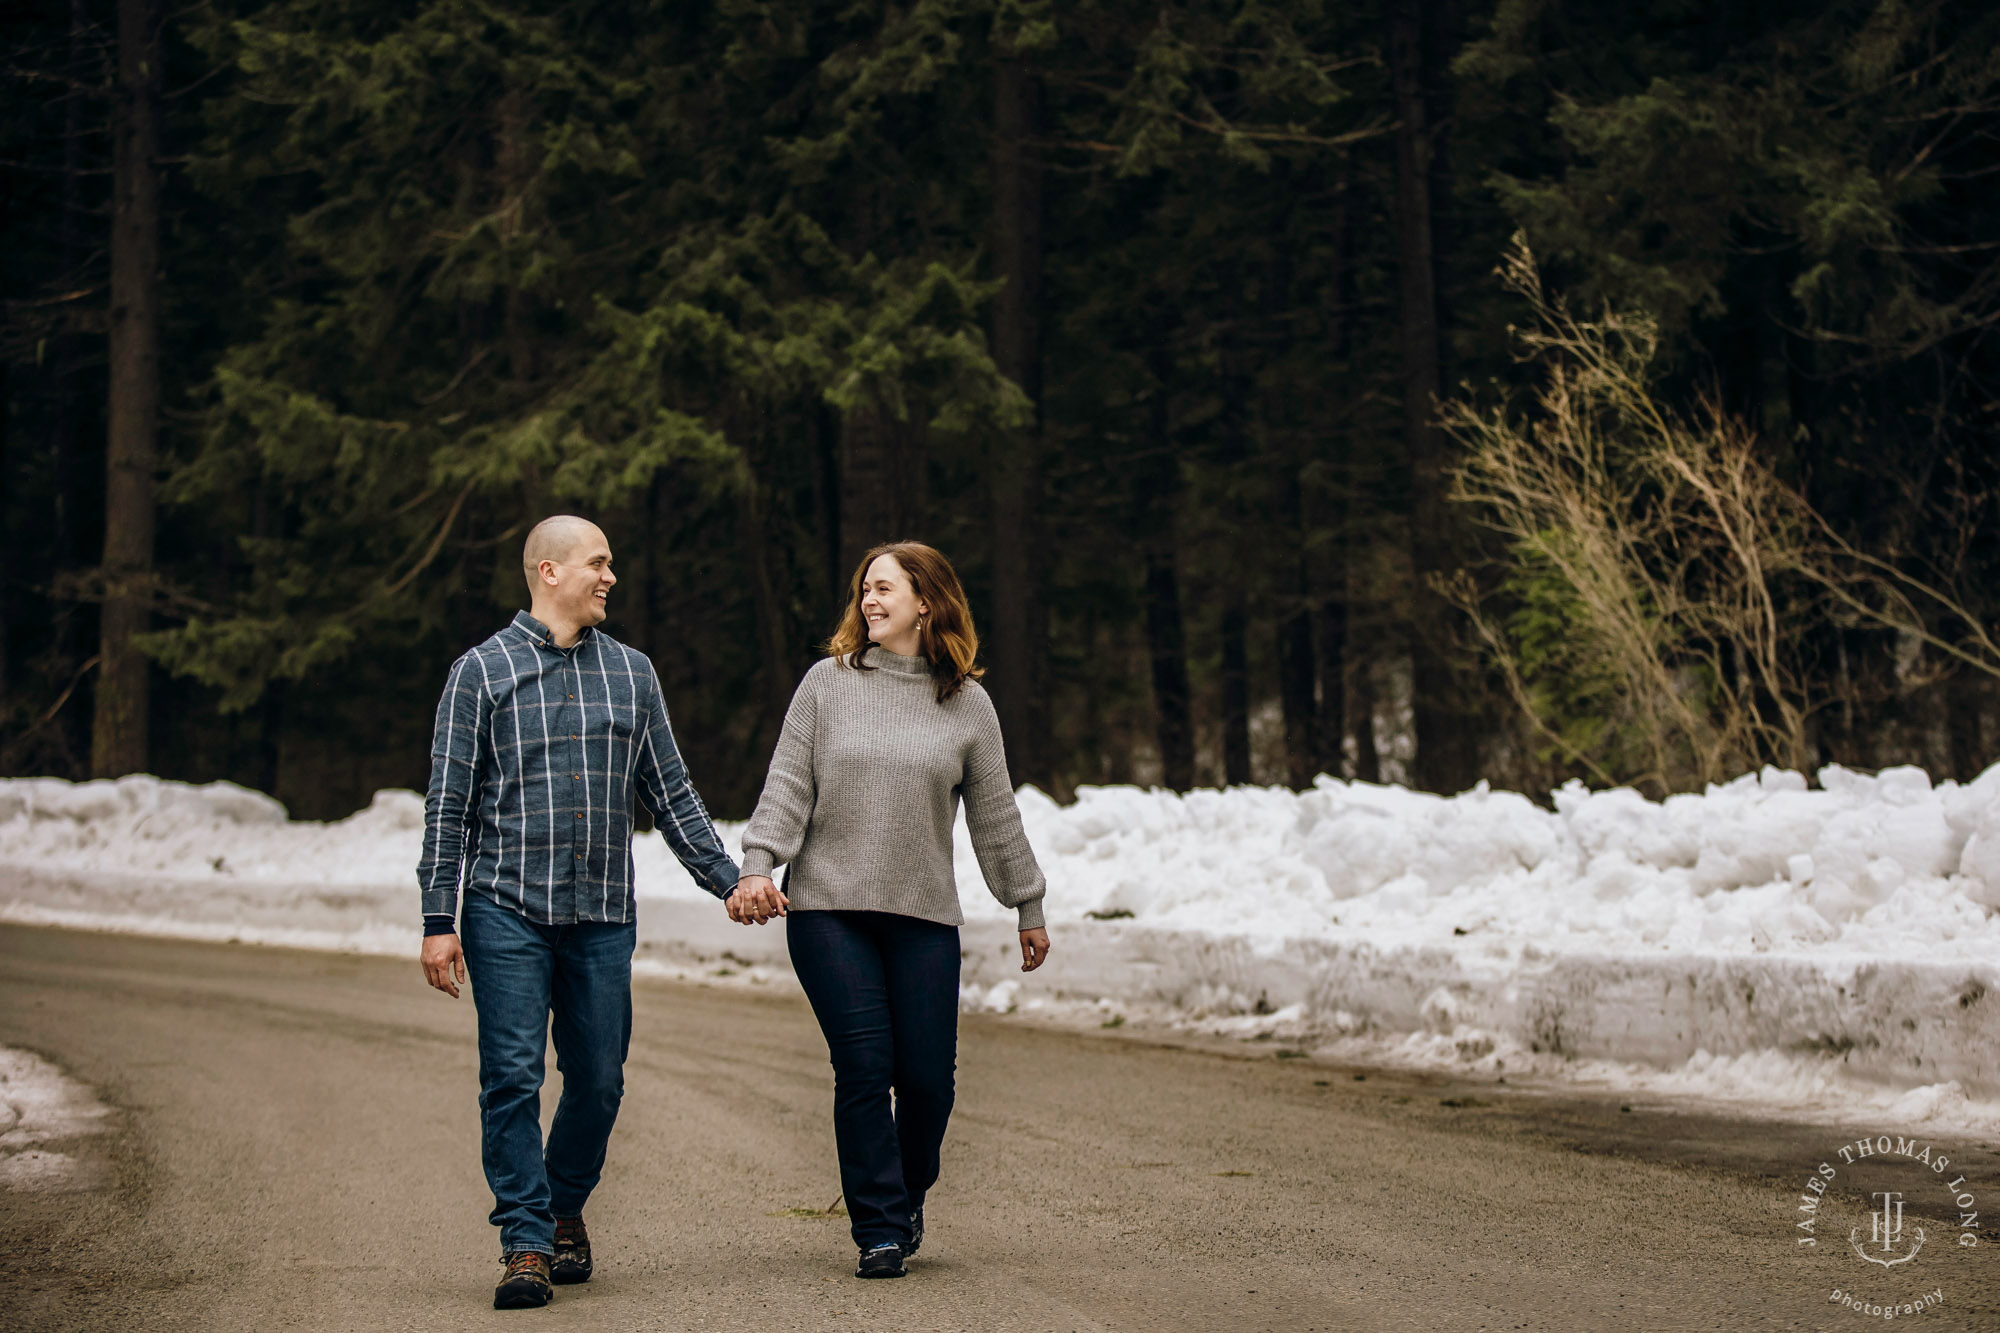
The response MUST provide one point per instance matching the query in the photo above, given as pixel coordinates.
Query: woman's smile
(891, 607)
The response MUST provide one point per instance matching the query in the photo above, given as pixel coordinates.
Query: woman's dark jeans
(885, 990)
(522, 973)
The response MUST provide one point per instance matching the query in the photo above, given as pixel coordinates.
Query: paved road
(297, 1148)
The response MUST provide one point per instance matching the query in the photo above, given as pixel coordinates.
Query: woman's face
(890, 607)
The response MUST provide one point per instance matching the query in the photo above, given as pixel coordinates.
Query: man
(541, 734)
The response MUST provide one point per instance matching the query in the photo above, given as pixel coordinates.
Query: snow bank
(222, 862)
(1846, 931)
(1883, 866)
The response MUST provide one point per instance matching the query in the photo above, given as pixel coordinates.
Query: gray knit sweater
(864, 788)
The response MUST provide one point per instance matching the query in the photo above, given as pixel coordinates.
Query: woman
(882, 739)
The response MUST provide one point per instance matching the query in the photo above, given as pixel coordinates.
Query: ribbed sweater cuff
(440, 925)
(757, 861)
(1031, 915)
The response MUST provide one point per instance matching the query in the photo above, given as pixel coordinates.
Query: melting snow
(1769, 942)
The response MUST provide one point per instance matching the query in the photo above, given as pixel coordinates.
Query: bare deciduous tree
(1663, 577)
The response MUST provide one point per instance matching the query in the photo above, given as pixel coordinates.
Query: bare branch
(1664, 580)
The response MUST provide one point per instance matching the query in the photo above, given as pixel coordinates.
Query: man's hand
(1034, 948)
(442, 957)
(756, 900)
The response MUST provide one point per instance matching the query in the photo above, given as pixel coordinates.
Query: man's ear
(547, 570)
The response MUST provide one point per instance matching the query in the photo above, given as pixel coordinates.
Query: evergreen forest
(1429, 391)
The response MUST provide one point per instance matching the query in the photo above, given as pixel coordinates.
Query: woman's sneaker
(572, 1261)
(881, 1261)
(526, 1285)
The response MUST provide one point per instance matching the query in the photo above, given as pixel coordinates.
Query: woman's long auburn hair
(946, 636)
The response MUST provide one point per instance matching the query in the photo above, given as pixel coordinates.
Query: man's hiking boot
(572, 1261)
(526, 1285)
(883, 1261)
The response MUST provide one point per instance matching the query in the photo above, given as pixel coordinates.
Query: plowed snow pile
(1799, 947)
(1888, 865)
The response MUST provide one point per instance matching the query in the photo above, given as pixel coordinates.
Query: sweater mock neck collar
(878, 656)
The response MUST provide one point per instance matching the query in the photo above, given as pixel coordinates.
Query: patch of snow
(1791, 943)
(1888, 866)
(40, 1104)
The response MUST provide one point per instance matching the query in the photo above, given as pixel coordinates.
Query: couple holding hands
(547, 731)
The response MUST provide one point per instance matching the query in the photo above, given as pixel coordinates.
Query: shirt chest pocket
(601, 717)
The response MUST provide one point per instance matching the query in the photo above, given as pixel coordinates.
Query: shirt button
(579, 814)
(577, 776)
(572, 696)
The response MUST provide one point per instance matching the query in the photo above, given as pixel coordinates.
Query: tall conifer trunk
(1325, 568)
(1445, 752)
(884, 482)
(118, 741)
(1312, 642)
(1288, 450)
(1235, 692)
(514, 163)
(1329, 639)
(754, 506)
(775, 668)
(828, 491)
(1167, 650)
(1295, 649)
(1019, 636)
(1302, 705)
(1158, 497)
(1361, 726)
(53, 529)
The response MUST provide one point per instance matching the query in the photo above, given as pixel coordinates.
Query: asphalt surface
(296, 1146)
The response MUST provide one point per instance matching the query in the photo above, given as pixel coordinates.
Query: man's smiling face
(584, 579)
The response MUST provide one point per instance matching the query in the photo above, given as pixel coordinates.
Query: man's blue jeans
(885, 990)
(522, 973)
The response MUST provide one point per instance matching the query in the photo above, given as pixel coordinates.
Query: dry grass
(1663, 576)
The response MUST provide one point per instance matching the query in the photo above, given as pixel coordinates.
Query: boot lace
(525, 1263)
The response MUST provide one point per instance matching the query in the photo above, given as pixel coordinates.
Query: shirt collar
(543, 636)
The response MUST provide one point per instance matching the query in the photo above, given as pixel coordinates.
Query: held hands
(441, 958)
(755, 900)
(1034, 948)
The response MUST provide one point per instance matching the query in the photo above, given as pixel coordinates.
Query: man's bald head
(559, 538)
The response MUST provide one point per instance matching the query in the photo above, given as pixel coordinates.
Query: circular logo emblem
(1886, 1215)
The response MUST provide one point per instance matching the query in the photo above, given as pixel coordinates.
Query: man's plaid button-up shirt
(532, 771)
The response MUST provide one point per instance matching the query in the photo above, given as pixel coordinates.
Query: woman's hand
(1034, 948)
(755, 900)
